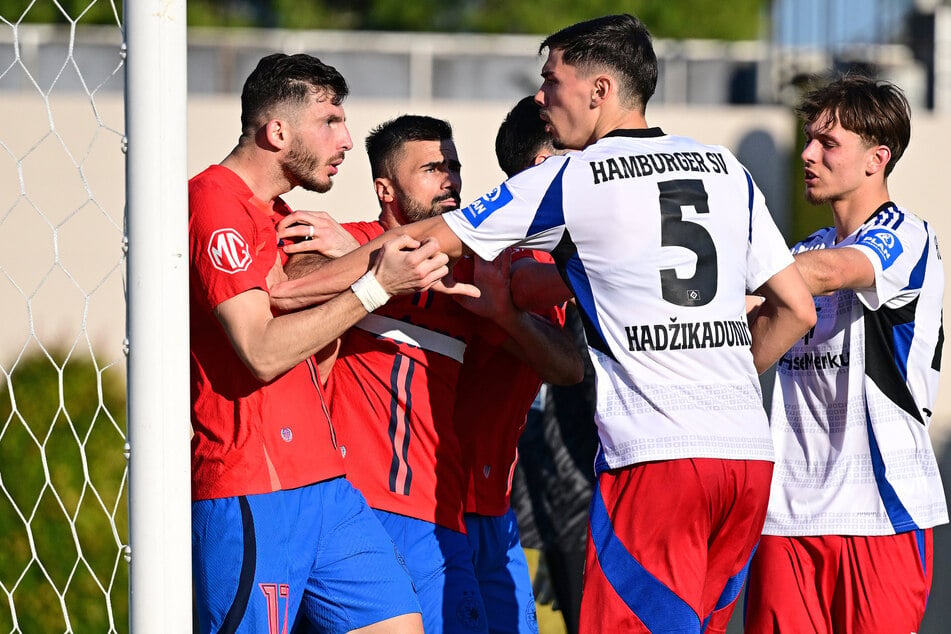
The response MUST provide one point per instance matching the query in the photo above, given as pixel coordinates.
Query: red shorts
(669, 544)
(842, 584)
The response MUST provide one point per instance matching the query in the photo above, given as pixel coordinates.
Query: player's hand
(492, 279)
(315, 231)
(405, 265)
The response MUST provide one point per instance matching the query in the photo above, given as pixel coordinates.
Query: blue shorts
(440, 561)
(502, 571)
(316, 554)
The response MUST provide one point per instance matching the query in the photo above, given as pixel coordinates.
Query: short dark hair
(386, 140)
(620, 44)
(287, 79)
(521, 137)
(876, 110)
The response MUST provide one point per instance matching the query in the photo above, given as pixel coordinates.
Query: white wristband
(369, 292)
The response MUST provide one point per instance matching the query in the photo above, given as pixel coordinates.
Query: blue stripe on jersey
(902, 336)
(581, 286)
(658, 607)
(897, 513)
(917, 276)
(749, 204)
(550, 212)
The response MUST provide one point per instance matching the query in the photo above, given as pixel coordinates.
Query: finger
(292, 218)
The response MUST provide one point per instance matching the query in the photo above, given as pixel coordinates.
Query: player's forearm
(285, 341)
(544, 347)
(321, 284)
(787, 313)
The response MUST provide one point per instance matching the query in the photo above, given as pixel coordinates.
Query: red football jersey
(393, 389)
(249, 437)
(496, 390)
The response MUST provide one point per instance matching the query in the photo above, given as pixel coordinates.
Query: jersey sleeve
(526, 210)
(767, 252)
(228, 253)
(897, 255)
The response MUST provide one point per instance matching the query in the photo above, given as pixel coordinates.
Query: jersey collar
(639, 133)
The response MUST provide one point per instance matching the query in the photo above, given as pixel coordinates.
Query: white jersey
(853, 397)
(660, 238)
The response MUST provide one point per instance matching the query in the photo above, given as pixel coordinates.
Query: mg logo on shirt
(228, 251)
(481, 209)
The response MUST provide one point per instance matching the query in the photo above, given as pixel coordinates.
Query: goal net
(68, 358)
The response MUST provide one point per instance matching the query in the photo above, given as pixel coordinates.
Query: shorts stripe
(246, 579)
(660, 607)
(921, 540)
(735, 584)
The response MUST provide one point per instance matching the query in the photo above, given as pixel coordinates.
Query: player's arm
(336, 275)
(828, 270)
(270, 346)
(537, 286)
(545, 347)
(785, 315)
(539, 343)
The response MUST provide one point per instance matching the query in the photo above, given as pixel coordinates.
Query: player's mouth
(449, 201)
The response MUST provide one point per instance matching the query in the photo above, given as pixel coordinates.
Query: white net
(63, 507)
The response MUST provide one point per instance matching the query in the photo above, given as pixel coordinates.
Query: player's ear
(539, 158)
(602, 86)
(384, 189)
(878, 158)
(275, 133)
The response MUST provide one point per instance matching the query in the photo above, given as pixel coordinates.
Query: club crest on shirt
(229, 252)
(481, 209)
(884, 243)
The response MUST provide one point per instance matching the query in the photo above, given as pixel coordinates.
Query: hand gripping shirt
(853, 398)
(249, 437)
(660, 238)
(393, 388)
(496, 390)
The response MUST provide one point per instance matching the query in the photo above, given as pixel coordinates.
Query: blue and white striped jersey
(660, 238)
(853, 397)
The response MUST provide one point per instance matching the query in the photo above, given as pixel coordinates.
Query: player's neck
(262, 177)
(620, 119)
(851, 212)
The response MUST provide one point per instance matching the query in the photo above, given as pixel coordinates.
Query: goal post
(159, 428)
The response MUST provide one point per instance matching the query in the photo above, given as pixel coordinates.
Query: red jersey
(248, 437)
(496, 390)
(393, 389)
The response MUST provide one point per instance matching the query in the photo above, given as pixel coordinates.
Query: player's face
(565, 101)
(835, 161)
(320, 138)
(427, 180)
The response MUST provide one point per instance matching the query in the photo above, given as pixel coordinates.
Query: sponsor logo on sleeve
(229, 251)
(481, 209)
(884, 243)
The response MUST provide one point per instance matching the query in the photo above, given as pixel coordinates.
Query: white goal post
(160, 579)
